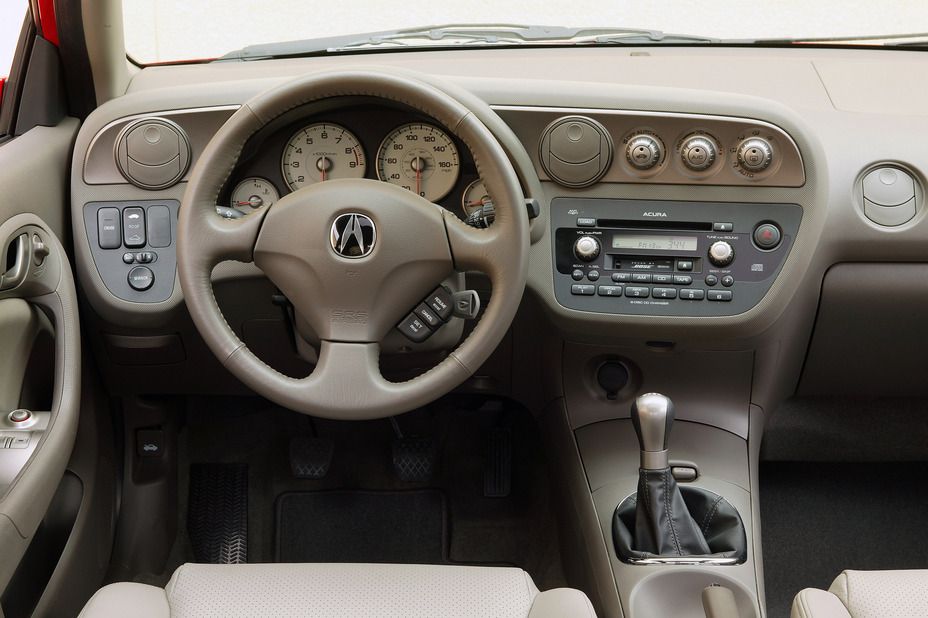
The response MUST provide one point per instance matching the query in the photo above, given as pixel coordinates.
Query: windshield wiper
(463, 36)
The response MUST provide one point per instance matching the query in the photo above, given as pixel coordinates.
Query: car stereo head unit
(642, 257)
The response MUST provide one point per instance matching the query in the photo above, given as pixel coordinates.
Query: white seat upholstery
(339, 590)
(867, 594)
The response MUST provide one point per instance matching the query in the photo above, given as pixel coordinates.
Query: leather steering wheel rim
(425, 241)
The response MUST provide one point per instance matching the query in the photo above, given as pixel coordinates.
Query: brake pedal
(497, 471)
(310, 458)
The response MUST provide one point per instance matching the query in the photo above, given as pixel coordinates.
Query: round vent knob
(152, 153)
(699, 152)
(575, 151)
(644, 152)
(755, 154)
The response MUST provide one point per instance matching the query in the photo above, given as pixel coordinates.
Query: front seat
(342, 590)
(867, 594)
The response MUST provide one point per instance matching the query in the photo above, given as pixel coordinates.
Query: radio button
(728, 281)
(586, 222)
(684, 264)
(720, 295)
(581, 289)
(711, 279)
(593, 275)
(721, 254)
(641, 277)
(609, 290)
(682, 279)
(621, 277)
(723, 227)
(664, 293)
(587, 248)
(662, 278)
(692, 294)
(636, 292)
(577, 275)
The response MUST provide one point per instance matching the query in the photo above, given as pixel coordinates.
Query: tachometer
(319, 152)
(421, 158)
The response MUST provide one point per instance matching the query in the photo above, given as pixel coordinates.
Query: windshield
(177, 30)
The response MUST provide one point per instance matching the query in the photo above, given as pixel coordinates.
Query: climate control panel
(640, 257)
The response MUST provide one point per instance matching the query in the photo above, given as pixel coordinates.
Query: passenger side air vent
(152, 153)
(575, 151)
(889, 196)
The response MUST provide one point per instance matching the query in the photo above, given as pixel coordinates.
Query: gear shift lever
(652, 416)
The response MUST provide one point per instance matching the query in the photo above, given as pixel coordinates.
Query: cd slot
(698, 226)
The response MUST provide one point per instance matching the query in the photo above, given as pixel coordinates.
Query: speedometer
(421, 158)
(319, 152)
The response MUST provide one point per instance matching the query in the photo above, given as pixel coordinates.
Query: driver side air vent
(152, 153)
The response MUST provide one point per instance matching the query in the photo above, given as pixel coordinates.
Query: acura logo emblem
(353, 235)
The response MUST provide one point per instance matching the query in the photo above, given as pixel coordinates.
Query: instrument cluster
(410, 151)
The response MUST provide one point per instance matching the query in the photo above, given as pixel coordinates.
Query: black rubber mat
(821, 518)
(217, 516)
(362, 526)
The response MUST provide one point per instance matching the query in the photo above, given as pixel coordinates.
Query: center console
(668, 258)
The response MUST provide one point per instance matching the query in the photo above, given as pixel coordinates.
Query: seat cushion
(867, 594)
(343, 590)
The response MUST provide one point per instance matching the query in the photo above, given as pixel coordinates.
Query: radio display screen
(659, 243)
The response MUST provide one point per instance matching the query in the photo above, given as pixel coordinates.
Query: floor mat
(821, 518)
(217, 516)
(362, 526)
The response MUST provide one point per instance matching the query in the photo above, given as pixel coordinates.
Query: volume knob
(587, 248)
(721, 254)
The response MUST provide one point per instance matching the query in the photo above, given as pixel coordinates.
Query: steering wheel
(353, 301)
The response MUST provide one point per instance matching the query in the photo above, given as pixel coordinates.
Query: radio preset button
(641, 277)
(682, 279)
(577, 275)
(720, 295)
(692, 294)
(728, 281)
(684, 265)
(664, 293)
(593, 275)
(587, 248)
(609, 290)
(721, 253)
(621, 277)
(582, 289)
(711, 279)
(767, 236)
(636, 292)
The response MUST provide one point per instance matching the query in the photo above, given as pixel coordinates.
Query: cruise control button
(414, 328)
(582, 289)
(641, 277)
(439, 301)
(609, 290)
(692, 294)
(577, 275)
(720, 295)
(684, 264)
(108, 233)
(728, 281)
(636, 292)
(664, 293)
(141, 278)
(427, 315)
(662, 278)
(621, 277)
(682, 279)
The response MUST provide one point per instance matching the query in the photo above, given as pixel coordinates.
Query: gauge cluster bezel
(369, 121)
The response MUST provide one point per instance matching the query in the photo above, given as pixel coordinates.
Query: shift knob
(652, 416)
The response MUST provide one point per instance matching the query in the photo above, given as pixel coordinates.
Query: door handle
(16, 273)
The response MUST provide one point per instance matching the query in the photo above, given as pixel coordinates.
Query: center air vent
(152, 153)
(575, 151)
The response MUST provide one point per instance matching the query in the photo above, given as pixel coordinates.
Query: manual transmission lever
(652, 416)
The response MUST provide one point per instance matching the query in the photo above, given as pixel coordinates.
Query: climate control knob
(721, 254)
(643, 151)
(587, 248)
(755, 154)
(699, 152)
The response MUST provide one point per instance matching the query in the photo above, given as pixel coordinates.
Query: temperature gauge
(475, 197)
(250, 195)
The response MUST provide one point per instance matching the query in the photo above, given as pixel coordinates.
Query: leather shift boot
(663, 524)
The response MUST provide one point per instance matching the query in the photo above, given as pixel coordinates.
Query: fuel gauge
(253, 194)
(475, 197)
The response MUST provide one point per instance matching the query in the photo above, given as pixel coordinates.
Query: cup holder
(677, 592)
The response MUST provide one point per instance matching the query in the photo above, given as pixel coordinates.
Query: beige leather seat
(339, 590)
(867, 594)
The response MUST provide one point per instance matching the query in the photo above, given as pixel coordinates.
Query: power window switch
(414, 328)
(149, 442)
